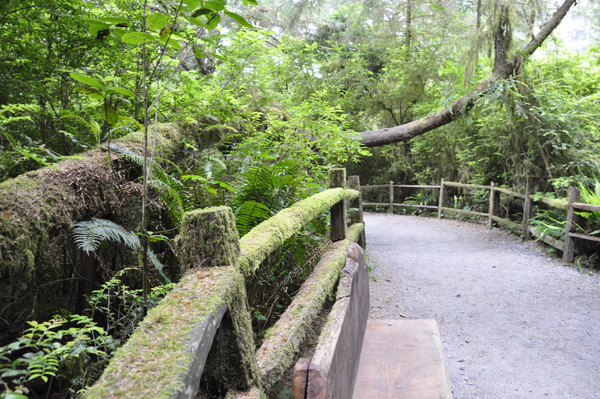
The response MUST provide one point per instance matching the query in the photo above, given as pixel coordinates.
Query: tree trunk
(463, 105)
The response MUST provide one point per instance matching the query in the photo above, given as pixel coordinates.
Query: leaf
(87, 80)
(192, 4)
(165, 32)
(123, 91)
(137, 38)
(156, 21)
(239, 19)
(171, 43)
(214, 5)
(86, 90)
(201, 11)
(216, 20)
(109, 114)
(96, 26)
(197, 22)
(217, 56)
(115, 20)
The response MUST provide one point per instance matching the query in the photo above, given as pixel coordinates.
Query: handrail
(207, 310)
(257, 244)
(567, 246)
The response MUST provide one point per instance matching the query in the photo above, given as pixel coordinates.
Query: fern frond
(249, 215)
(88, 236)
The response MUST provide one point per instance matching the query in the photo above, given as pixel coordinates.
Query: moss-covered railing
(202, 328)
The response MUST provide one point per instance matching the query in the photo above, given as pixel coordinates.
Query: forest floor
(515, 322)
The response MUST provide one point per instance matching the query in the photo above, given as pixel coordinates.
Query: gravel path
(515, 322)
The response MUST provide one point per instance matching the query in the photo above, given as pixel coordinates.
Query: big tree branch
(463, 105)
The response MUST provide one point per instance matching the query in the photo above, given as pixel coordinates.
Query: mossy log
(264, 238)
(38, 210)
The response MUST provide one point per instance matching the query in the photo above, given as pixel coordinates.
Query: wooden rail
(524, 228)
(203, 327)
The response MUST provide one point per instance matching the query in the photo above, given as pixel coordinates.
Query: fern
(164, 183)
(88, 236)
(264, 190)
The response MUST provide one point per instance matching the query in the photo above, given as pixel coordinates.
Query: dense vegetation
(269, 96)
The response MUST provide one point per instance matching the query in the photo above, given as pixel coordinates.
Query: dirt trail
(515, 322)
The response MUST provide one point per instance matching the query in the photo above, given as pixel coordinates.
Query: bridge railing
(203, 327)
(525, 228)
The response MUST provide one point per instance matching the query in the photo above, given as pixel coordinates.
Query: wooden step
(402, 359)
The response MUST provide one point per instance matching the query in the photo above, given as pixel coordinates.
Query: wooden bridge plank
(402, 359)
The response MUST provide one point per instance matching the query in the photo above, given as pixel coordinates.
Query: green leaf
(156, 21)
(216, 20)
(86, 90)
(123, 91)
(214, 5)
(109, 114)
(217, 56)
(239, 19)
(115, 20)
(171, 43)
(95, 26)
(197, 22)
(137, 38)
(201, 11)
(87, 80)
(15, 396)
(192, 4)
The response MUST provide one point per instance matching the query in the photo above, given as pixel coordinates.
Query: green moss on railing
(282, 342)
(264, 238)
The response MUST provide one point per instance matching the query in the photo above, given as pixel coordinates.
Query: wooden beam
(441, 199)
(569, 251)
(337, 179)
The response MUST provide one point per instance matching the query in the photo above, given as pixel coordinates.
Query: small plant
(591, 197)
(45, 349)
(123, 307)
(549, 222)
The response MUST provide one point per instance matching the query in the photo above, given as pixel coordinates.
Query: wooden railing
(493, 214)
(203, 326)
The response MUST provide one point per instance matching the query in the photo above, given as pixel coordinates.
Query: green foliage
(123, 308)
(550, 222)
(88, 235)
(591, 197)
(46, 349)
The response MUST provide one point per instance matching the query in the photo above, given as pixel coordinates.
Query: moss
(208, 238)
(156, 352)
(281, 345)
(38, 210)
(264, 238)
(353, 233)
(254, 393)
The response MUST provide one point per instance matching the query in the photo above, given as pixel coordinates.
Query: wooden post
(441, 200)
(528, 206)
(208, 238)
(494, 203)
(569, 251)
(356, 216)
(391, 210)
(337, 179)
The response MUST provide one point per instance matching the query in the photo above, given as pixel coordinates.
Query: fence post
(494, 203)
(569, 251)
(337, 179)
(528, 206)
(209, 239)
(391, 210)
(356, 214)
(441, 200)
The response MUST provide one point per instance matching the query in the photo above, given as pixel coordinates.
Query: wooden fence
(203, 327)
(493, 214)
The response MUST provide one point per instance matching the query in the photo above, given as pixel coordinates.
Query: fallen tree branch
(463, 105)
